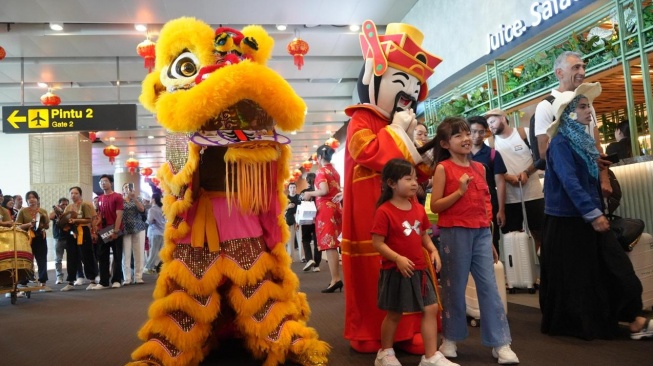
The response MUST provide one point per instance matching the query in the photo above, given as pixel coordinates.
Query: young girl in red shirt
(461, 198)
(405, 285)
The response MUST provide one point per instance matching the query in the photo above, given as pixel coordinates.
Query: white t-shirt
(517, 157)
(544, 116)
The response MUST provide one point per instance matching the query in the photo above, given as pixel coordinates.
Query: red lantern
(92, 136)
(314, 158)
(3, 53)
(111, 151)
(50, 99)
(307, 165)
(146, 172)
(297, 173)
(292, 179)
(156, 181)
(332, 143)
(298, 48)
(147, 50)
(132, 165)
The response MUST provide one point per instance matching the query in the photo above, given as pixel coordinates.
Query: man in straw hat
(391, 82)
(587, 281)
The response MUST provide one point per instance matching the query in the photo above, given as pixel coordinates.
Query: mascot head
(396, 67)
(221, 106)
(216, 85)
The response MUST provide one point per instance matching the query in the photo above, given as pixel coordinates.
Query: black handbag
(626, 230)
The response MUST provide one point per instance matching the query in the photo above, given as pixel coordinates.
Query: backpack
(538, 161)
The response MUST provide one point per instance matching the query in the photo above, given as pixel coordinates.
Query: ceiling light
(281, 27)
(315, 146)
(140, 27)
(150, 137)
(42, 85)
(56, 26)
(293, 133)
(354, 27)
(328, 132)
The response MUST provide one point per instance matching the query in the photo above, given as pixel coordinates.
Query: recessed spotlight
(281, 27)
(150, 137)
(140, 27)
(56, 26)
(354, 27)
(328, 132)
(293, 133)
(42, 84)
(315, 146)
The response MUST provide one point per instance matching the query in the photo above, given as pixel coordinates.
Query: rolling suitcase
(519, 256)
(471, 297)
(642, 258)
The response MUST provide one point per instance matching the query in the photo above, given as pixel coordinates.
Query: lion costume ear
(264, 41)
(150, 90)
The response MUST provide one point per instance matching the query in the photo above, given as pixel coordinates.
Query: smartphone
(130, 186)
(614, 158)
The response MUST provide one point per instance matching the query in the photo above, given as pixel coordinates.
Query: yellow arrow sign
(14, 118)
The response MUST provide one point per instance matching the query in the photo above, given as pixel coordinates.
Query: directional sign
(36, 119)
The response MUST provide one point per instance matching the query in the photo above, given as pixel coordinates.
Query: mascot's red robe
(372, 141)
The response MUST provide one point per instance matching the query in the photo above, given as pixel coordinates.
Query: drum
(23, 251)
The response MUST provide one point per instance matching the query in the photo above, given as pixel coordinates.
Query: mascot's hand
(406, 120)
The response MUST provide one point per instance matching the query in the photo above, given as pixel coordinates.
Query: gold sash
(204, 224)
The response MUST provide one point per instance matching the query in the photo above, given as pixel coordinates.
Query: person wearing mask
(328, 220)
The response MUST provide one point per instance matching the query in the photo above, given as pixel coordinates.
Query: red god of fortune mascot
(226, 272)
(392, 80)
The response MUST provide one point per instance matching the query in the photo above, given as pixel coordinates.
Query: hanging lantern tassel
(111, 152)
(147, 50)
(298, 48)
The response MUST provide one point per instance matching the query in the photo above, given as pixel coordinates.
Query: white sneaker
(308, 265)
(316, 269)
(436, 360)
(115, 285)
(100, 287)
(68, 287)
(91, 286)
(386, 358)
(448, 348)
(125, 283)
(505, 355)
(78, 282)
(45, 288)
(139, 282)
(59, 281)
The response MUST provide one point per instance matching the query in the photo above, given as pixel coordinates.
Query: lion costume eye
(184, 66)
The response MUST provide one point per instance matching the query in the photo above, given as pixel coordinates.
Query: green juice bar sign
(38, 119)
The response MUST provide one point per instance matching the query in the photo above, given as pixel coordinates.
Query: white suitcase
(471, 297)
(519, 256)
(642, 259)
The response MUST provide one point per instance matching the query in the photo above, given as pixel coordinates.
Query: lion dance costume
(393, 79)
(226, 272)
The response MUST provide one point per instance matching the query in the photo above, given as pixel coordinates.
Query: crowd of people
(104, 239)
